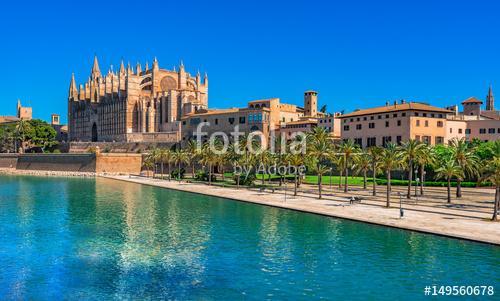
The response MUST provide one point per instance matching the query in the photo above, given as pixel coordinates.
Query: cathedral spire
(138, 69)
(73, 92)
(146, 68)
(155, 64)
(181, 66)
(95, 67)
(122, 67)
(490, 100)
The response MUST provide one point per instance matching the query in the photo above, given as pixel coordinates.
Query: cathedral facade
(134, 105)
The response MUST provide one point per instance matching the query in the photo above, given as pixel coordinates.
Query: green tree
(179, 157)
(362, 164)
(350, 150)
(448, 170)
(389, 161)
(319, 147)
(375, 154)
(409, 152)
(491, 173)
(426, 157)
(42, 135)
(466, 159)
(193, 151)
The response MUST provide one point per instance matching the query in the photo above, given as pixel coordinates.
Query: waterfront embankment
(443, 222)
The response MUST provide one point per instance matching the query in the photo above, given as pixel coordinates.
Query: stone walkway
(449, 221)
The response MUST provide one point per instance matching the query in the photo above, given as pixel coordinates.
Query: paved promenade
(453, 221)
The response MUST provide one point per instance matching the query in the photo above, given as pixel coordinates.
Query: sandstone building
(141, 105)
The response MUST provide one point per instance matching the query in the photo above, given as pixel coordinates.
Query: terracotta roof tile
(396, 108)
(472, 100)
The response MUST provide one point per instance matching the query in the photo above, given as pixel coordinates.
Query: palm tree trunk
(179, 171)
(388, 187)
(410, 178)
(497, 204)
(295, 187)
(209, 174)
(459, 188)
(449, 190)
(319, 186)
(340, 179)
(263, 178)
(169, 167)
(346, 187)
(237, 181)
(192, 170)
(364, 179)
(374, 180)
(422, 179)
(161, 170)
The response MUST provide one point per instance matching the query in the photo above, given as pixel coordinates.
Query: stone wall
(119, 163)
(110, 163)
(57, 162)
(8, 160)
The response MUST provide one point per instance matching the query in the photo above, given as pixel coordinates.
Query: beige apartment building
(266, 116)
(398, 123)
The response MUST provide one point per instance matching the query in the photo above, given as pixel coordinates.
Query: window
(432, 115)
(394, 115)
(242, 119)
(379, 116)
(403, 114)
(358, 126)
(346, 127)
(424, 114)
(364, 118)
(358, 141)
(398, 140)
(184, 122)
(426, 139)
(491, 131)
(467, 131)
(387, 124)
(451, 130)
(416, 113)
(482, 131)
(439, 140)
(231, 120)
(418, 122)
(426, 123)
(440, 115)
(399, 122)
(371, 125)
(357, 119)
(440, 124)
(417, 137)
(352, 119)
(386, 115)
(460, 131)
(216, 121)
(386, 140)
(372, 117)
(371, 141)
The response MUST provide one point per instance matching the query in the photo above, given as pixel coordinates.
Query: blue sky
(357, 54)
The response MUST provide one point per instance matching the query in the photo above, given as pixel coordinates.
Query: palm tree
(296, 160)
(349, 150)
(362, 164)
(193, 151)
(149, 163)
(491, 173)
(426, 157)
(320, 170)
(154, 156)
(178, 157)
(164, 156)
(22, 128)
(409, 152)
(375, 153)
(389, 161)
(264, 159)
(338, 161)
(208, 158)
(448, 170)
(466, 159)
(319, 147)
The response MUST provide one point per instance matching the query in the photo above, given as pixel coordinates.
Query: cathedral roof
(472, 100)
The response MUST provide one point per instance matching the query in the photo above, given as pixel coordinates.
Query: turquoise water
(101, 239)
